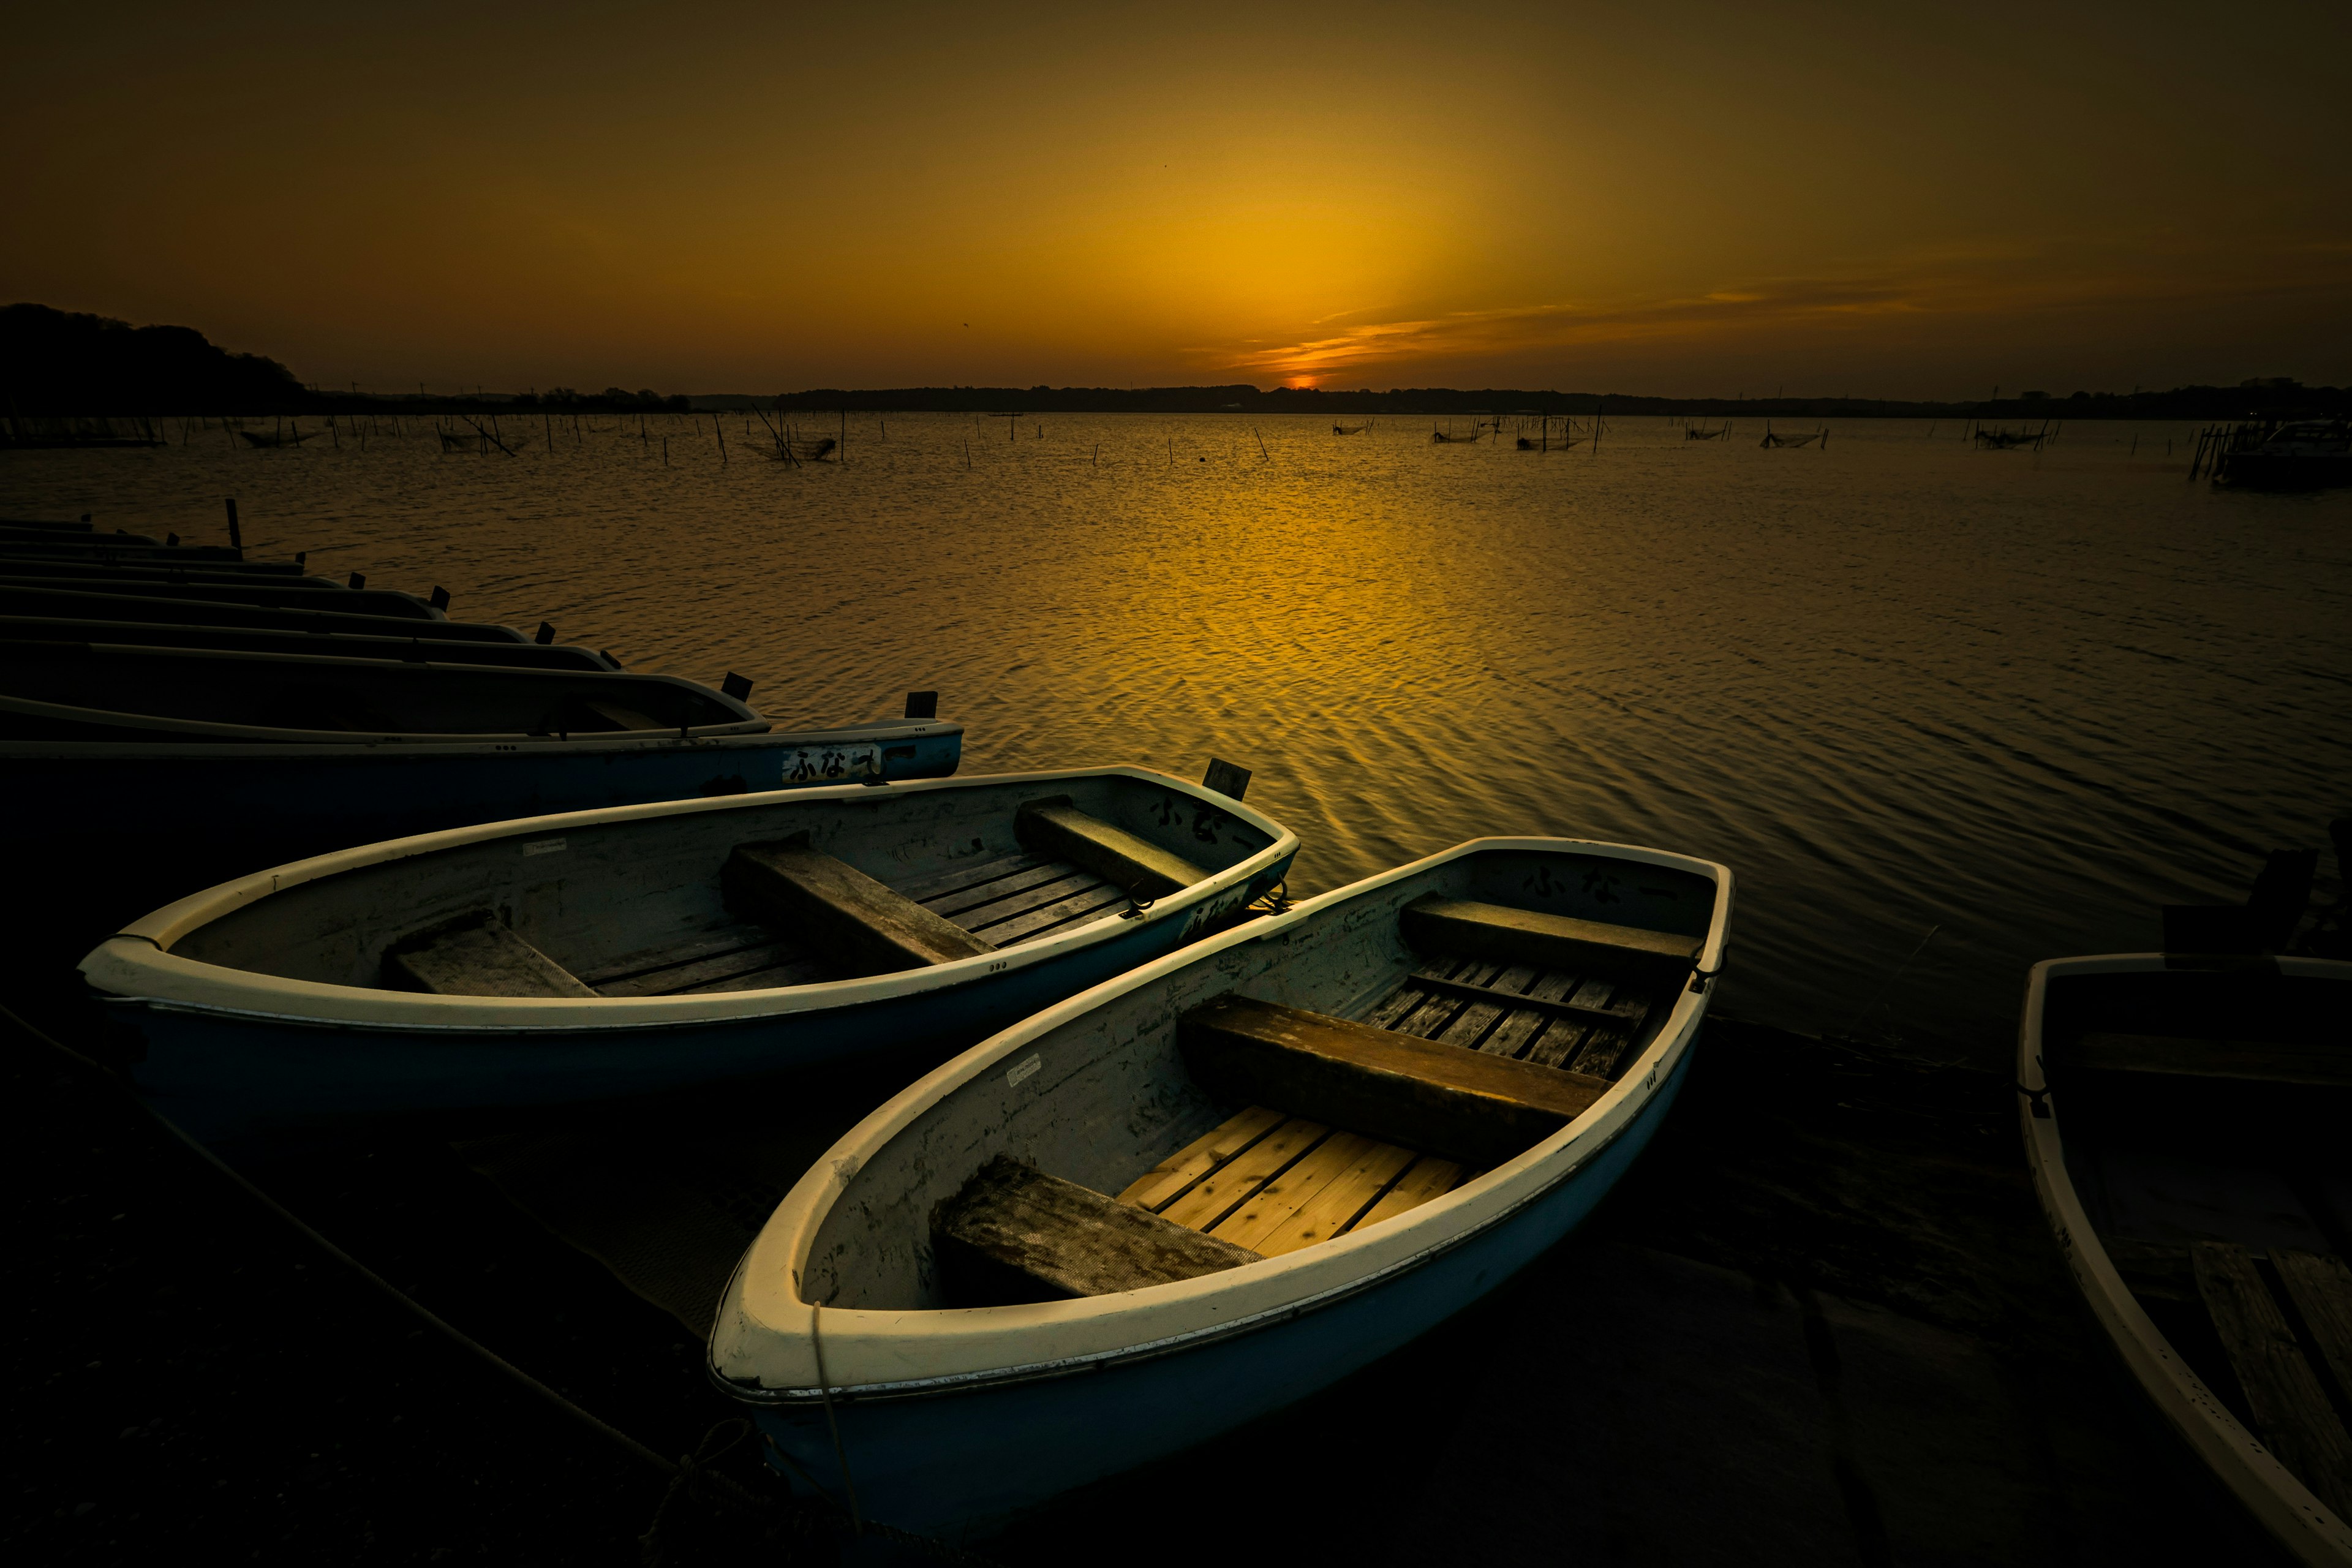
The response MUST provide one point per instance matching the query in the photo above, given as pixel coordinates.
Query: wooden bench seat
(476, 955)
(1276, 1183)
(1653, 959)
(845, 916)
(1015, 1234)
(1056, 830)
(2284, 1393)
(1429, 1095)
(2258, 1061)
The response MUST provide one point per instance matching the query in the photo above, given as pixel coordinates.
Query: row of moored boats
(1210, 1152)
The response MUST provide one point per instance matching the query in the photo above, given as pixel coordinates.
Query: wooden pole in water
(235, 539)
(718, 427)
(1261, 452)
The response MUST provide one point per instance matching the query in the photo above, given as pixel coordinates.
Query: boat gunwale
(2286, 1509)
(1269, 1291)
(142, 950)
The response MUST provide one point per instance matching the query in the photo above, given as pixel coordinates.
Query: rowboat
(1216, 1185)
(612, 953)
(294, 593)
(396, 643)
(98, 691)
(108, 605)
(2199, 1193)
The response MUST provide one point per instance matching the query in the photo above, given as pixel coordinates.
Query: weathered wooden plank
(1400, 1004)
(1601, 1051)
(1217, 1193)
(1577, 1006)
(1014, 901)
(1429, 1178)
(1503, 988)
(1332, 1210)
(1057, 830)
(476, 955)
(801, 971)
(840, 912)
(968, 874)
(1273, 1205)
(1052, 916)
(1011, 1225)
(2289, 1406)
(1460, 1104)
(686, 977)
(1521, 1025)
(981, 896)
(1437, 1014)
(2321, 1288)
(2316, 1065)
(1173, 1177)
(1658, 959)
(740, 937)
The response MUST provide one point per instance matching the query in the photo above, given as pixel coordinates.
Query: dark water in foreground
(1895, 683)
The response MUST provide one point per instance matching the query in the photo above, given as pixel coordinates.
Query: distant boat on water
(1772, 439)
(293, 437)
(2008, 440)
(2304, 454)
(1693, 433)
(1443, 437)
(1339, 429)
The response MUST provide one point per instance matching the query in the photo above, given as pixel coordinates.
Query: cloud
(1979, 281)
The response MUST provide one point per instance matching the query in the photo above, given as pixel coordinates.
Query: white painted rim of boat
(136, 966)
(759, 1347)
(2269, 1490)
(178, 752)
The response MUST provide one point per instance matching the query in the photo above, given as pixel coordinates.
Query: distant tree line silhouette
(61, 362)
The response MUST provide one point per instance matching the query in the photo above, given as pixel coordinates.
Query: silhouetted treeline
(56, 362)
(2181, 402)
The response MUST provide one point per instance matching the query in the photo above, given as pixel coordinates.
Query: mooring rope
(688, 1473)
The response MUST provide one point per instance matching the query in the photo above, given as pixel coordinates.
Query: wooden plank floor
(1013, 899)
(1275, 1184)
(1545, 1015)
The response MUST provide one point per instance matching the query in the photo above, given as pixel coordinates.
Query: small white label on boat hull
(543, 846)
(1024, 1071)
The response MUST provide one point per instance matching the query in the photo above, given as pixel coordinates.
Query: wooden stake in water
(719, 429)
(235, 539)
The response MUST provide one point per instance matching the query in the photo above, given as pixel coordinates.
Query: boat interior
(2204, 1115)
(370, 696)
(1281, 1094)
(785, 893)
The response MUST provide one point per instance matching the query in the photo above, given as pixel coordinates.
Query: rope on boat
(691, 1475)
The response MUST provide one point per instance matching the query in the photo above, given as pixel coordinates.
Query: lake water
(1896, 682)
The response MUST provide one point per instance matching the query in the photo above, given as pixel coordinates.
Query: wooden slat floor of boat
(1473, 1007)
(1017, 898)
(1012, 899)
(741, 957)
(2284, 1388)
(1275, 1184)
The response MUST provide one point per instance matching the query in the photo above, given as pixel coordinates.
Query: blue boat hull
(960, 1463)
(223, 1077)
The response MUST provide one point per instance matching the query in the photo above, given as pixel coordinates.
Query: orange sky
(1669, 198)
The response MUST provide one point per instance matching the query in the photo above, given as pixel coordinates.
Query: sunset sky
(1684, 199)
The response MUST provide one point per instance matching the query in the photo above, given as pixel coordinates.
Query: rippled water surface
(1896, 683)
